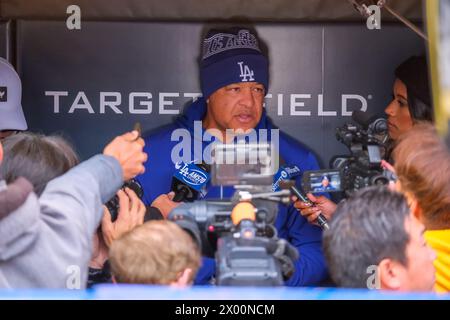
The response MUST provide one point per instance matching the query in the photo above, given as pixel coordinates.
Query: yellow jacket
(439, 240)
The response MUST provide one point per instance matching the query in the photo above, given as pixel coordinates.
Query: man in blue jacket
(234, 80)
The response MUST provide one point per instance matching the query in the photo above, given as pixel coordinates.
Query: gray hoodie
(46, 242)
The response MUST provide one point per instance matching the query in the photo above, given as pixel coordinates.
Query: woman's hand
(322, 205)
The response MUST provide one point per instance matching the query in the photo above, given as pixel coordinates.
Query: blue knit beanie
(231, 56)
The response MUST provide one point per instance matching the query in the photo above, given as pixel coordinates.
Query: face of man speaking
(235, 106)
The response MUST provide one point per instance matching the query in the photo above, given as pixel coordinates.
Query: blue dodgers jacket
(307, 238)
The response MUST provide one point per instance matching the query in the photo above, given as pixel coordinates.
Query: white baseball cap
(11, 113)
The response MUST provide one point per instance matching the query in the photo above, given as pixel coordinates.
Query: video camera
(239, 232)
(113, 203)
(366, 141)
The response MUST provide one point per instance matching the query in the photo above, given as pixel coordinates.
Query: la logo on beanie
(231, 56)
(245, 72)
(221, 42)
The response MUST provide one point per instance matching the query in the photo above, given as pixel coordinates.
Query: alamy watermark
(373, 281)
(190, 147)
(73, 280)
(73, 22)
(374, 17)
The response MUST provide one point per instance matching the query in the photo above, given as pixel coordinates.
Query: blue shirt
(307, 238)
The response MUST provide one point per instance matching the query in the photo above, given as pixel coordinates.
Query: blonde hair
(422, 164)
(155, 253)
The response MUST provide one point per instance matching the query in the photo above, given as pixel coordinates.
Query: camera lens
(113, 207)
(113, 204)
(379, 180)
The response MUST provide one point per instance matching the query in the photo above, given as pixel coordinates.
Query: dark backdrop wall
(5, 40)
(95, 83)
(203, 10)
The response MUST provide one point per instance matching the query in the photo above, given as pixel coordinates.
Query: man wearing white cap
(12, 118)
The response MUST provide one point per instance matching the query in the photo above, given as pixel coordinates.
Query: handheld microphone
(289, 172)
(189, 181)
(285, 173)
(323, 222)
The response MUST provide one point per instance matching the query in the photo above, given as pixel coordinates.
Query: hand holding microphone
(165, 204)
(315, 207)
(314, 214)
(319, 218)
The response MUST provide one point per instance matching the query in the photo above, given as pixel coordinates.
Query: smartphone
(317, 181)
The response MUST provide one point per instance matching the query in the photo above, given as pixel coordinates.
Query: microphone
(284, 173)
(289, 172)
(189, 181)
(323, 222)
(374, 123)
(363, 118)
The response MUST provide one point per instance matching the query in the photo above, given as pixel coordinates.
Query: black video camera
(243, 241)
(366, 141)
(113, 203)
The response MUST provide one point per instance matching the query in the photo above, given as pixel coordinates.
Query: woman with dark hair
(411, 104)
(411, 101)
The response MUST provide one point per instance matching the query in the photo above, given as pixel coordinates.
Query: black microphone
(372, 122)
(363, 118)
(291, 172)
(189, 181)
(323, 222)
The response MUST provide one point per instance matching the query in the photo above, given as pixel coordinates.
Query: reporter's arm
(77, 196)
